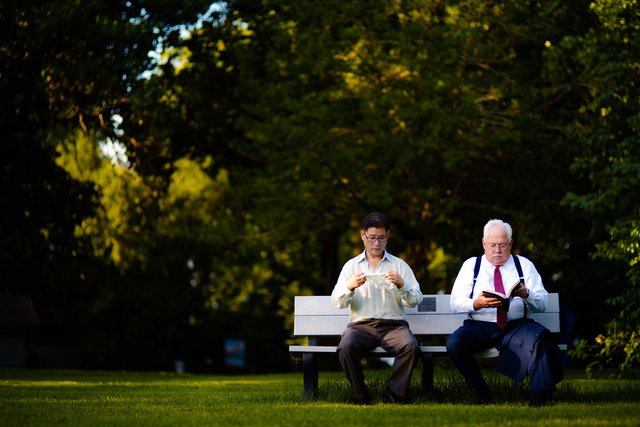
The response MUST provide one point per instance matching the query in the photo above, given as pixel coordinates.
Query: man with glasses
(376, 286)
(526, 346)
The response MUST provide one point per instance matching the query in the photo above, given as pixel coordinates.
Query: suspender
(476, 270)
(516, 261)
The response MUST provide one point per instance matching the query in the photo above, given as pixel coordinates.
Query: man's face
(374, 239)
(497, 246)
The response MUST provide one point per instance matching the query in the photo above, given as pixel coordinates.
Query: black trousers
(359, 338)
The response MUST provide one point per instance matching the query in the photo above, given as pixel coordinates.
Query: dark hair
(375, 220)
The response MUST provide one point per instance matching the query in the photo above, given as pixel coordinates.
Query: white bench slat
(320, 305)
(432, 324)
(490, 352)
(316, 316)
(377, 350)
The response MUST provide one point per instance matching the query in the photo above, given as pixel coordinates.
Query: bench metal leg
(310, 375)
(427, 374)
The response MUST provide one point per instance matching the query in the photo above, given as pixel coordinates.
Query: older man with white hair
(527, 347)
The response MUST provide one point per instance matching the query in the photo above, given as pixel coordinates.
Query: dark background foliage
(257, 134)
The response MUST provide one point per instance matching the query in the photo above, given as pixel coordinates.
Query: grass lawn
(46, 398)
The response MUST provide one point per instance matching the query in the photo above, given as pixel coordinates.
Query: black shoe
(484, 397)
(362, 402)
(433, 395)
(390, 397)
(540, 399)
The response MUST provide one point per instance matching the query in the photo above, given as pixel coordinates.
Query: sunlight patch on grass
(244, 382)
(18, 383)
(186, 382)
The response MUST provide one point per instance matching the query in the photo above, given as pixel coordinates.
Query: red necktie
(497, 284)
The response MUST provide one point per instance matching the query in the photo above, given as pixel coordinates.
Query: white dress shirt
(462, 303)
(377, 298)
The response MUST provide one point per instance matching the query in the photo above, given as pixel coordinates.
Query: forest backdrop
(174, 172)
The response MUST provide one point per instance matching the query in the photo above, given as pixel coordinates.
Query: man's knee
(346, 349)
(411, 348)
(343, 347)
(454, 344)
(408, 344)
(415, 350)
(415, 346)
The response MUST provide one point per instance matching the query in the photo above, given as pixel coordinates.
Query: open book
(377, 279)
(505, 298)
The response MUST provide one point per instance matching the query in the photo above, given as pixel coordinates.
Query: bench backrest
(317, 316)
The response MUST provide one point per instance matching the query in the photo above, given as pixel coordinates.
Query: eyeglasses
(372, 239)
(500, 246)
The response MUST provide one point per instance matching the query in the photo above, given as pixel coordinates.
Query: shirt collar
(362, 256)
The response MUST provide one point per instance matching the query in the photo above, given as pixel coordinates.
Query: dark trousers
(394, 336)
(472, 337)
(525, 347)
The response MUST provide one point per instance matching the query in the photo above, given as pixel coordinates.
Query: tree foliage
(263, 131)
(606, 127)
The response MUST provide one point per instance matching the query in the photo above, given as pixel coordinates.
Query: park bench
(431, 321)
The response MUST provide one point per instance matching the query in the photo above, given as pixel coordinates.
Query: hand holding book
(516, 289)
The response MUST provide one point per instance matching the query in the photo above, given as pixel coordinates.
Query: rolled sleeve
(538, 295)
(410, 293)
(341, 296)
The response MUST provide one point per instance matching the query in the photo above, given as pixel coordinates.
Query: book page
(504, 298)
(377, 279)
(509, 289)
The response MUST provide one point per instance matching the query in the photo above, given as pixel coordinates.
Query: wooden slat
(491, 352)
(312, 348)
(319, 325)
(550, 320)
(378, 350)
(433, 324)
(320, 305)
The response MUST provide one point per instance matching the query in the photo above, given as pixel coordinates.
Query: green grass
(45, 398)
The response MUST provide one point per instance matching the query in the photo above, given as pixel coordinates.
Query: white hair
(499, 223)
